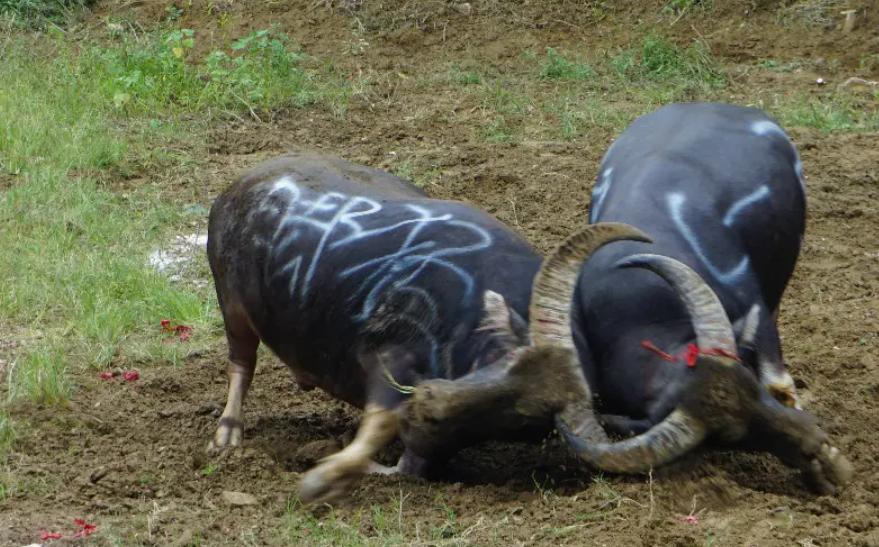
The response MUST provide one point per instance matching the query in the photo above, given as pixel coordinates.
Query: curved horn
(680, 431)
(550, 312)
(710, 322)
(676, 435)
(553, 288)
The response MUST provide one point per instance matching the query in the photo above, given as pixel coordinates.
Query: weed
(556, 67)
(209, 470)
(146, 478)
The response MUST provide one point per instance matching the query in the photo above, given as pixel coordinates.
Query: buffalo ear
(507, 327)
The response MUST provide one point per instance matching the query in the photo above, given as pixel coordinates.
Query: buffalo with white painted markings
(364, 287)
(719, 189)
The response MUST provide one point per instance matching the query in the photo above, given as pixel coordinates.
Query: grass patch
(260, 71)
(465, 76)
(40, 12)
(378, 524)
(660, 60)
(41, 376)
(555, 66)
(812, 13)
(7, 434)
(682, 7)
(833, 113)
(74, 252)
(506, 110)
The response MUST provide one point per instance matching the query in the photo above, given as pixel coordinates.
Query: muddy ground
(129, 456)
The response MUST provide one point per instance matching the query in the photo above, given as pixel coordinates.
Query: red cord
(690, 355)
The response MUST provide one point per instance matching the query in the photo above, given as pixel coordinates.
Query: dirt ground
(129, 457)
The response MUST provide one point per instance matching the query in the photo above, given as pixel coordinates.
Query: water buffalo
(362, 286)
(719, 191)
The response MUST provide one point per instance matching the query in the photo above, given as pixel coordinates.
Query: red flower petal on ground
(46, 536)
(131, 375)
(106, 375)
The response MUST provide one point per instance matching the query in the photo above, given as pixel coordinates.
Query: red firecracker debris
(107, 375)
(183, 332)
(690, 519)
(85, 528)
(130, 375)
(48, 536)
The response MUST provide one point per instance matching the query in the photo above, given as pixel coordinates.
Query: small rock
(238, 498)
(464, 8)
(314, 451)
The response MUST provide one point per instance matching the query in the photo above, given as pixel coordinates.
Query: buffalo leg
(337, 473)
(243, 343)
(794, 436)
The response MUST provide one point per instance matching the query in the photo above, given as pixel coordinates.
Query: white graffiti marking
(739, 206)
(676, 202)
(764, 128)
(600, 192)
(344, 221)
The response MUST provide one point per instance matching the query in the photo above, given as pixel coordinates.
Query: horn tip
(640, 260)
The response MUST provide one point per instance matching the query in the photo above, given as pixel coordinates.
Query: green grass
(377, 524)
(7, 434)
(40, 12)
(555, 66)
(465, 76)
(597, 93)
(259, 71)
(41, 375)
(681, 7)
(507, 110)
(835, 112)
(660, 60)
(73, 265)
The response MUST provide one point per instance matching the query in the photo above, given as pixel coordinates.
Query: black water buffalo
(720, 191)
(362, 286)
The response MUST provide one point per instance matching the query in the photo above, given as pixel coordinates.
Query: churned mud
(128, 456)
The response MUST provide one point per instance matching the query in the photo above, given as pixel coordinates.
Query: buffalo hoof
(329, 481)
(829, 471)
(228, 435)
